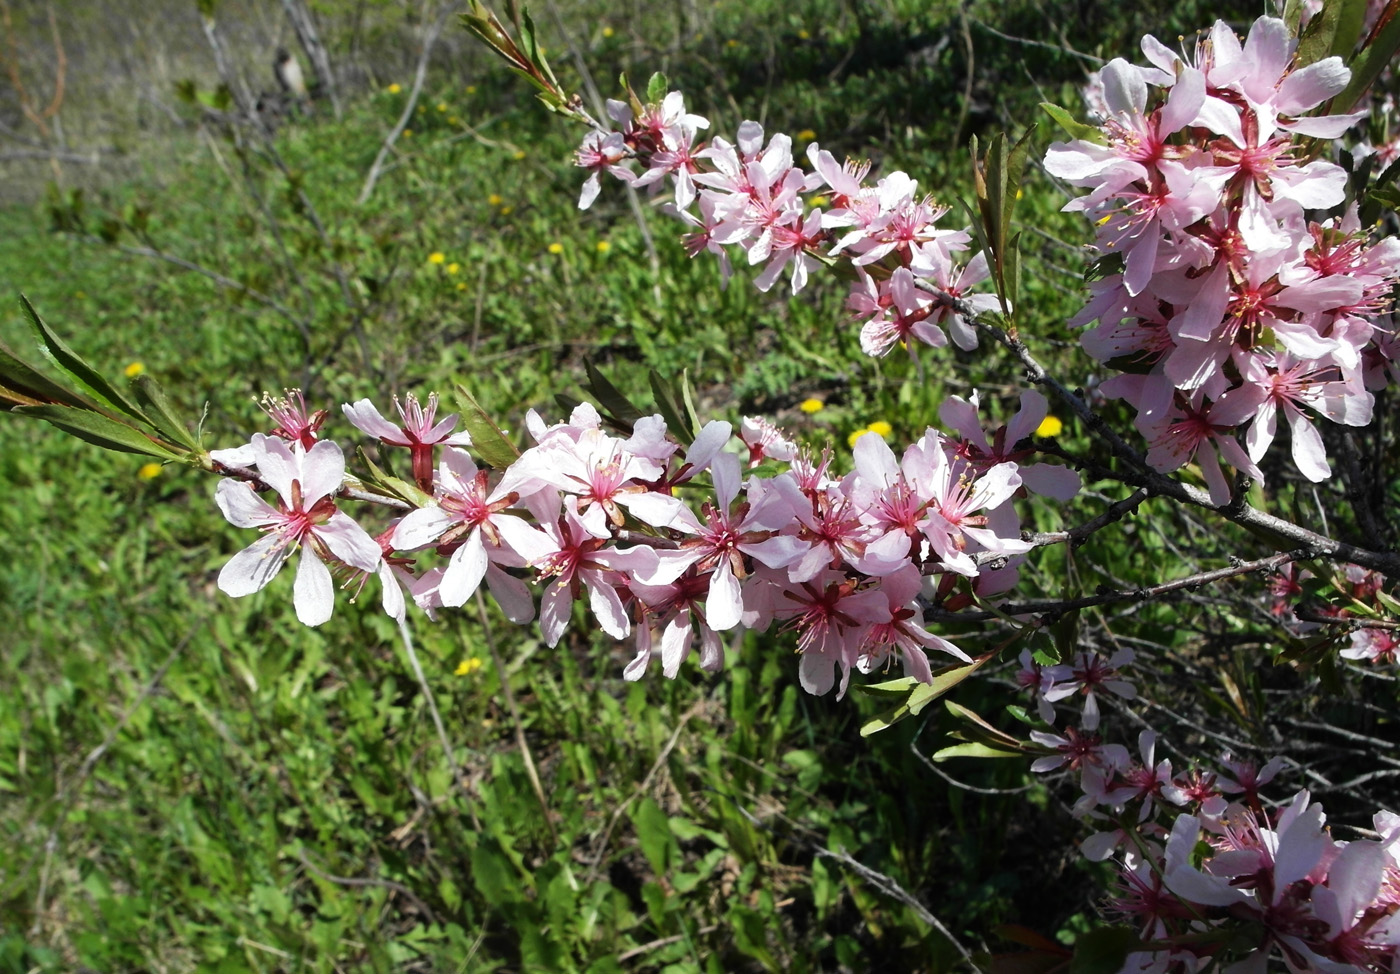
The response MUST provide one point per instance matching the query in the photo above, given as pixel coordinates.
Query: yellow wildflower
(453, 267)
(442, 106)
(1050, 426)
(507, 210)
(149, 471)
(436, 257)
(134, 369)
(803, 34)
(607, 32)
(556, 248)
(394, 88)
(819, 201)
(471, 89)
(881, 429)
(806, 135)
(495, 199)
(811, 405)
(851, 440)
(603, 246)
(408, 133)
(518, 155)
(468, 666)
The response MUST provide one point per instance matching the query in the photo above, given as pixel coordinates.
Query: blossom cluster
(844, 562)
(1206, 874)
(752, 196)
(1231, 299)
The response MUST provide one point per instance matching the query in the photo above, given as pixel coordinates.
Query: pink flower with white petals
(831, 615)
(421, 431)
(573, 551)
(306, 518)
(469, 515)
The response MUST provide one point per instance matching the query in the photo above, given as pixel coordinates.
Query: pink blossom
(305, 518)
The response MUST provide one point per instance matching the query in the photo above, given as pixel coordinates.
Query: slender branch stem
(1054, 608)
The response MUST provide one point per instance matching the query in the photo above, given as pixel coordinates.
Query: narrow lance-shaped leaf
(671, 408)
(71, 363)
(488, 441)
(1074, 128)
(913, 696)
(615, 405)
(170, 425)
(23, 385)
(102, 431)
(1367, 66)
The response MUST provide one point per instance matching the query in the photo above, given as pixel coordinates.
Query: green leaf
(657, 86)
(1367, 66)
(23, 385)
(1335, 29)
(1103, 951)
(101, 430)
(671, 408)
(979, 730)
(70, 362)
(152, 397)
(653, 834)
(974, 750)
(1012, 263)
(914, 697)
(1074, 128)
(488, 441)
(617, 408)
(387, 483)
(1293, 15)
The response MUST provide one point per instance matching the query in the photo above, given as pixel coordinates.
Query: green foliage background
(189, 782)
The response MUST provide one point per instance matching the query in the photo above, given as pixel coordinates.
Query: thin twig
(419, 75)
(531, 771)
(447, 750)
(389, 884)
(1051, 607)
(888, 886)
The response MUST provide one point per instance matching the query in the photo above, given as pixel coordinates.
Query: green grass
(189, 782)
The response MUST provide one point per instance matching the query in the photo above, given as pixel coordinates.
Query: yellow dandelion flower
(442, 106)
(471, 89)
(395, 88)
(806, 135)
(453, 120)
(811, 405)
(607, 32)
(881, 429)
(134, 369)
(518, 155)
(851, 440)
(495, 199)
(819, 201)
(1050, 426)
(803, 34)
(149, 471)
(468, 666)
(603, 246)
(408, 133)
(422, 109)
(461, 285)
(507, 210)
(556, 248)
(453, 267)
(731, 43)
(436, 257)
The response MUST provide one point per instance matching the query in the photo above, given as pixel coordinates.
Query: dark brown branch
(1053, 609)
